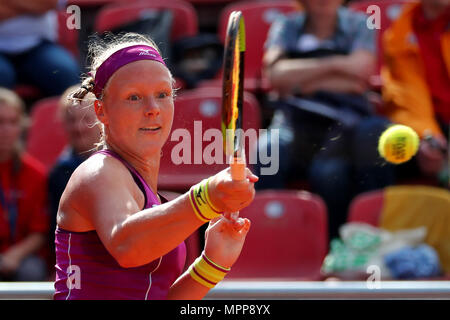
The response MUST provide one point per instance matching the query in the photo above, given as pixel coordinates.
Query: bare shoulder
(95, 179)
(95, 171)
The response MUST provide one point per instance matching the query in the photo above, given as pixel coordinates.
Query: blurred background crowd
(330, 75)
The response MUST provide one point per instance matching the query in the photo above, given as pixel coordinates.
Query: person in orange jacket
(416, 78)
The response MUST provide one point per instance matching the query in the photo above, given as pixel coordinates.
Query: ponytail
(86, 86)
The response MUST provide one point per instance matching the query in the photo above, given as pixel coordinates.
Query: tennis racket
(232, 99)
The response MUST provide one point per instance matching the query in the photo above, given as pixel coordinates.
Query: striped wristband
(201, 203)
(206, 272)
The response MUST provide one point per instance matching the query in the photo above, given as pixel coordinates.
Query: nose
(152, 107)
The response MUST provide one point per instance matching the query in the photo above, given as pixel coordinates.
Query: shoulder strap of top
(150, 197)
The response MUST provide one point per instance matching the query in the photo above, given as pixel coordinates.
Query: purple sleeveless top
(85, 269)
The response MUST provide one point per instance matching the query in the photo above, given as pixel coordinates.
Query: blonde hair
(98, 51)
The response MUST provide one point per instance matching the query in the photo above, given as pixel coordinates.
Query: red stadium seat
(287, 240)
(185, 21)
(258, 16)
(202, 105)
(389, 11)
(46, 136)
(366, 207)
(28, 92)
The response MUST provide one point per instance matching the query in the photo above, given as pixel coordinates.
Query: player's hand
(224, 240)
(228, 195)
(430, 157)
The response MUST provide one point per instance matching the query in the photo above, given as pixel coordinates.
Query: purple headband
(119, 59)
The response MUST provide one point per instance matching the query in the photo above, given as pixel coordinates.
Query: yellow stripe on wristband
(206, 272)
(200, 204)
(207, 196)
(200, 279)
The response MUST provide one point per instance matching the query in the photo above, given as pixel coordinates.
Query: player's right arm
(102, 196)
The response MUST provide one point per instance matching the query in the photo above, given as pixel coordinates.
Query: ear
(100, 111)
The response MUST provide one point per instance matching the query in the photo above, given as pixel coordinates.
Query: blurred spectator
(28, 50)
(23, 196)
(416, 78)
(80, 123)
(324, 55)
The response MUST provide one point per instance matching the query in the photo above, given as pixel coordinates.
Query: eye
(163, 94)
(134, 97)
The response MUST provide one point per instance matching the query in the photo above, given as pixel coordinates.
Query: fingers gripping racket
(232, 100)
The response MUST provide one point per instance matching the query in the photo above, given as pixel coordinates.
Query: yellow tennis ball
(398, 144)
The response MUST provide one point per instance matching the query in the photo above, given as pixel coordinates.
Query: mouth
(150, 129)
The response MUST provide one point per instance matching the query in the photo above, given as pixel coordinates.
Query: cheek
(123, 119)
(168, 117)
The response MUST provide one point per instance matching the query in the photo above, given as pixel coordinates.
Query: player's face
(138, 107)
(10, 128)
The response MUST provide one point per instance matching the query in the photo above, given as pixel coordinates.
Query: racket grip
(237, 167)
(237, 171)
(237, 174)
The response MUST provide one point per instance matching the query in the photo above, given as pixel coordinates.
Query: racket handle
(237, 174)
(237, 167)
(238, 171)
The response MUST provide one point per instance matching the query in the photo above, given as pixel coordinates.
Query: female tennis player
(116, 238)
